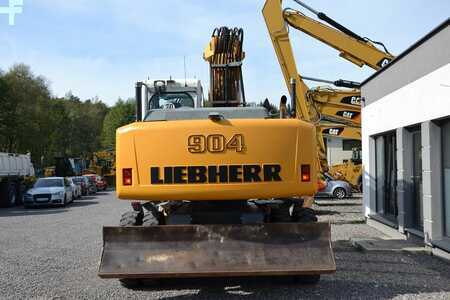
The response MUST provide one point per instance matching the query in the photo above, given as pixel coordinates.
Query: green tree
(25, 98)
(122, 113)
(31, 120)
(271, 108)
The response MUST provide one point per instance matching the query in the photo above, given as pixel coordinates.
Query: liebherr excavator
(226, 190)
(336, 112)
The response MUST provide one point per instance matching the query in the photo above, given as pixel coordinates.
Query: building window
(349, 145)
(446, 174)
(386, 175)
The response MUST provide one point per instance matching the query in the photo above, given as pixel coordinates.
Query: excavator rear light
(306, 173)
(127, 176)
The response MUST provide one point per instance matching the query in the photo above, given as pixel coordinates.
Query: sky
(101, 48)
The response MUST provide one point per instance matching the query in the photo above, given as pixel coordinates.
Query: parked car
(76, 189)
(102, 185)
(49, 191)
(335, 188)
(92, 179)
(83, 182)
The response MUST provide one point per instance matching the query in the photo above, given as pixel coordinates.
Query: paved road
(53, 253)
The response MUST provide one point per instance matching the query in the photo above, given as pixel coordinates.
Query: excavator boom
(356, 49)
(322, 105)
(279, 34)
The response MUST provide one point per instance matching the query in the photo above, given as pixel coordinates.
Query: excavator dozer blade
(190, 251)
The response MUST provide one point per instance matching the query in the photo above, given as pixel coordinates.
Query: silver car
(335, 188)
(49, 191)
(76, 188)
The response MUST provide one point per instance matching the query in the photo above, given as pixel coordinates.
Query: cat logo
(348, 114)
(333, 131)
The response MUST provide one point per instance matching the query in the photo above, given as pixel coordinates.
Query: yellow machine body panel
(231, 159)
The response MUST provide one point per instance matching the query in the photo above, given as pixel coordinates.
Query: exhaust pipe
(139, 101)
(293, 97)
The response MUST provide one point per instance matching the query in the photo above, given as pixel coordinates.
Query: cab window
(171, 101)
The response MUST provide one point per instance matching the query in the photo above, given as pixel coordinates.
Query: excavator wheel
(150, 219)
(131, 218)
(133, 253)
(138, 218)
(307, 279)
(280, 214)
(298, 214)
(303, 215)
(151, 216)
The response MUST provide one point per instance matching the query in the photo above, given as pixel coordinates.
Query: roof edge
(432, 33)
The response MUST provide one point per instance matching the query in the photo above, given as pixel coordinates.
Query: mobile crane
(335, 112)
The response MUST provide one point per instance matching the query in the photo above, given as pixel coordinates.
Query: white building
(406, 142)
(340, 150)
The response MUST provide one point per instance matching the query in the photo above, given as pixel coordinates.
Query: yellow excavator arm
(334, 111)
(279, 34)
(335, 105)
(356, 49)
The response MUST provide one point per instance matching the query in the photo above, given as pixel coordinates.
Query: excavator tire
(130, 283)
(150, 219)
(307, 279)
(131, 253)
(131, 218)
(303, 215)
(280, 214)
(135, 218)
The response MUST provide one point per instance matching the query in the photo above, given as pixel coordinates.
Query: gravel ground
(53, 253)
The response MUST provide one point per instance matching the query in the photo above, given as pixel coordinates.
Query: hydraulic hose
(227, 85)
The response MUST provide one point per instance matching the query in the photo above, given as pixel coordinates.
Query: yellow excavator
(103, 163)
(336, 112)
(224, 190)
(216, 191)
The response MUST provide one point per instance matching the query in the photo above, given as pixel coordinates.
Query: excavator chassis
(230, 250)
